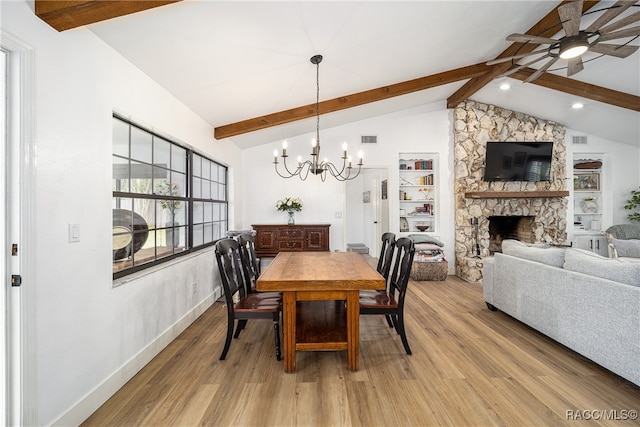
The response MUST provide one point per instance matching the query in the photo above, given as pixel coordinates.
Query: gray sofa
(589, 303)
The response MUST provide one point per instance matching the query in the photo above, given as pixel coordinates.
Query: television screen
(518, 161)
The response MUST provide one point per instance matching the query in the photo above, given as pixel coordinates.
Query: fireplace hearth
(516, 227)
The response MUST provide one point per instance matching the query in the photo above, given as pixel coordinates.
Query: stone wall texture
(474, 124)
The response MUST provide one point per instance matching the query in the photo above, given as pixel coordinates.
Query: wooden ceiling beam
(349, 101)
(64, 15)
(548, 26)
(584, 90)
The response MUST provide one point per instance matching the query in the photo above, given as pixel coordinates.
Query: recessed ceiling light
(505, 86)
(577, 105)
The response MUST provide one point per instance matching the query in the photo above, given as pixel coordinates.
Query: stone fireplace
(544, 204)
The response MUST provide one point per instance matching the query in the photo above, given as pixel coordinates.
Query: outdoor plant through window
(162, 208)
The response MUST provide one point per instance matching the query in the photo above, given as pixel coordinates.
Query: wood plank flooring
(470, 367)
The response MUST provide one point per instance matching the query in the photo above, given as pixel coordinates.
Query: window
(167, 199)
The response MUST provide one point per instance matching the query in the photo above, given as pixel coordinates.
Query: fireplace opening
(509, 227)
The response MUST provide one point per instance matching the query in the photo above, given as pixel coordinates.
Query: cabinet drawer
(290, 233)
(290, 245)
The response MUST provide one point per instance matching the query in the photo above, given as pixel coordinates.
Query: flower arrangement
(289, 204)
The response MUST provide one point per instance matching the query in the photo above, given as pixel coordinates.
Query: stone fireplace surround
(474, 124)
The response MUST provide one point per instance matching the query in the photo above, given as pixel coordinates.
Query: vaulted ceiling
(244, 66)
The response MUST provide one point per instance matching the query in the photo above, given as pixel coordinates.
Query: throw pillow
(423, 238)
(544, 254)
(587, 262)
(627, 248)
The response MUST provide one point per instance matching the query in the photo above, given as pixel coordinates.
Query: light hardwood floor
(470, 367)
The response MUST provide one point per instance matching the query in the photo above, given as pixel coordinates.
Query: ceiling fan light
(571, 47)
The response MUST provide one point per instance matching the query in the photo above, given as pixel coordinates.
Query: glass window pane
(120, 138)
(178, 184)
(206, 168)
(222, 175)
(198, 212)
(178, 158)
(161, 153)
(140, 183)
(206, 189)
(197, 165)
(120, 174)
(208, 233)
(140, 145)
(208, 212)
(197, 188)
(198, 235)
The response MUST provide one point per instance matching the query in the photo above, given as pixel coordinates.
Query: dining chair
(386, 302)
(384, 266)
(386, 254)
(249, 305)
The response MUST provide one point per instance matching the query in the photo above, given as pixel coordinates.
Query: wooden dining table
(315, 287)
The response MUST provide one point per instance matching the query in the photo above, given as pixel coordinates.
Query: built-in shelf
(514, 194)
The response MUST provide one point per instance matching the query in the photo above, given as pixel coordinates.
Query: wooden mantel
(514, 194)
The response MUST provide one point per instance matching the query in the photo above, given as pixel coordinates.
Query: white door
(17, 358)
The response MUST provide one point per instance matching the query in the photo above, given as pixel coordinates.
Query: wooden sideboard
(273, 238)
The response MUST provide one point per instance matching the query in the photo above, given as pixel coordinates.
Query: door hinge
(16, 280)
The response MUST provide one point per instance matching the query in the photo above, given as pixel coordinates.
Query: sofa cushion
(627, 248)
(592, 264)
(540, 253)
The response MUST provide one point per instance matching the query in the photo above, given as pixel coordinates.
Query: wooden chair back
(386, 254)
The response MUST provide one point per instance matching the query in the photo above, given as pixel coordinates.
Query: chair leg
(227, 342)
(276, 330)
(389, 321)
(403, 335)
(241, 325)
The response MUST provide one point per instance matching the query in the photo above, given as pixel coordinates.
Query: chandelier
(315, 165)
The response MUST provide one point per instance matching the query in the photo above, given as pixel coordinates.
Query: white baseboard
(91, 402)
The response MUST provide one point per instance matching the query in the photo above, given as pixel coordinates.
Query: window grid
(160, 210)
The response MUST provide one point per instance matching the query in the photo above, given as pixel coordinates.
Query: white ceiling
(234, 60)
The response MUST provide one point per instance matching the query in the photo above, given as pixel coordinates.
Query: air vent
(369, 139)
(579, 140)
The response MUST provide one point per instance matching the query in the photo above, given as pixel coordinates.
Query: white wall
(90, 335)
(421, 129)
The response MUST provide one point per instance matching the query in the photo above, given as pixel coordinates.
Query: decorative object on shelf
(425, 193)
(586, 182)
(315, 166)
(404, 224)
(633, 204)
(422, 226)
(588, 164)
(589, 205)
(291, 205)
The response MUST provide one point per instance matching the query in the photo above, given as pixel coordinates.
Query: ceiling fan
(576, 42)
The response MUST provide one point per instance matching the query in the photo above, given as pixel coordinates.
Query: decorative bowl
(422, 227)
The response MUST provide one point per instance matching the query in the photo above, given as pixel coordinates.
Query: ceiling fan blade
(629, 32)
(634, 17)
(540, 71)
(522, 55)
(526, 38)
(574, 66)
(570, 15)
(611, 13)
(617, 50)
(520, 67)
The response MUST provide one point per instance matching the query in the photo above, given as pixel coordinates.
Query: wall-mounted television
(518, 161)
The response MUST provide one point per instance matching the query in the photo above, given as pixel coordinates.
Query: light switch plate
(74, 233)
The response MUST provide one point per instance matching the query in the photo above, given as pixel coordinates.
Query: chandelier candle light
(315, 166)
